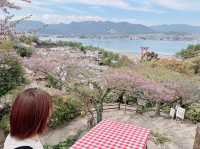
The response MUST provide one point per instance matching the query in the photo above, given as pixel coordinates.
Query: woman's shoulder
(12, 142)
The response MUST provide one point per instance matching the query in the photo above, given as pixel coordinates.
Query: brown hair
(30, 113)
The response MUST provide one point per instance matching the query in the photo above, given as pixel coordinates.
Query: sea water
(125, 45)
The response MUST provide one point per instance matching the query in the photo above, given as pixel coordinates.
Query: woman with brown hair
(29, 117)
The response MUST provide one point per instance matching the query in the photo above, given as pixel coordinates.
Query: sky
(146, 12)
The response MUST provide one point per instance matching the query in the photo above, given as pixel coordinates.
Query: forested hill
(84, 28)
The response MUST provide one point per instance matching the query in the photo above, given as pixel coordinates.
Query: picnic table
(114, 135)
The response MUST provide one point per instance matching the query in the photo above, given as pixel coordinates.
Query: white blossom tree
(6, 6)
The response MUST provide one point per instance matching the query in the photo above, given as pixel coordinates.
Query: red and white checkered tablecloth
(114, 135)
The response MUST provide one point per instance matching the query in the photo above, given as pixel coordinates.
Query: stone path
(181, 134)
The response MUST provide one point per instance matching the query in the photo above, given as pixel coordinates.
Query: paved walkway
(55, 136)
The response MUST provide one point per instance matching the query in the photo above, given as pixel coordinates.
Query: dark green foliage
(131, 100)
(166, 108)
(54, 82)
(5, 124)
(4, 119)
(4, 111)
(83, 49)
(63, 112)
(24, 51)
(11, 74)
(46, 44)
(49, 44)
(193, 112)
(68, 143)
(190, 51)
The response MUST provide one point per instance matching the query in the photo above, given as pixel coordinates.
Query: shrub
(149, 56)
(54, 82)
(109, 58)
(64, 111)
(193, 112)
(6, 45)
(190, 51)
(113, 59)
(11, 74)
(159, 138)
(28, 39)
(5, 124)
(46, 44)
(195, 66)
(24, 51)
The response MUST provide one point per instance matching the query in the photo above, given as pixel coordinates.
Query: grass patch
(159, 138)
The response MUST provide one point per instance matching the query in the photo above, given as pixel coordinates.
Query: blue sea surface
(126, 45)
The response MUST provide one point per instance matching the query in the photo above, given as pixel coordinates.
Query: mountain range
(107, 27)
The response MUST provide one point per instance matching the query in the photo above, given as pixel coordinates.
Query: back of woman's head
(30, 112)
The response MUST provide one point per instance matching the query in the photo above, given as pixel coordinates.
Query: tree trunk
(119, 105)
(157, 113)
(125, 106)
(99, 114)
(197, 138)
(91, 120)
(120, 100)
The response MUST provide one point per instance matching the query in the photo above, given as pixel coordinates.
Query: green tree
(11, 74)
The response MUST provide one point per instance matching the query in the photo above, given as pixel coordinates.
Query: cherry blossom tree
(6, 7)
(92, 96)
(126, 81)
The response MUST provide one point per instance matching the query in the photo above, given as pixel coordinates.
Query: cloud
(191, 5)
(121, 4)
(113, 3)
(55, 18)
